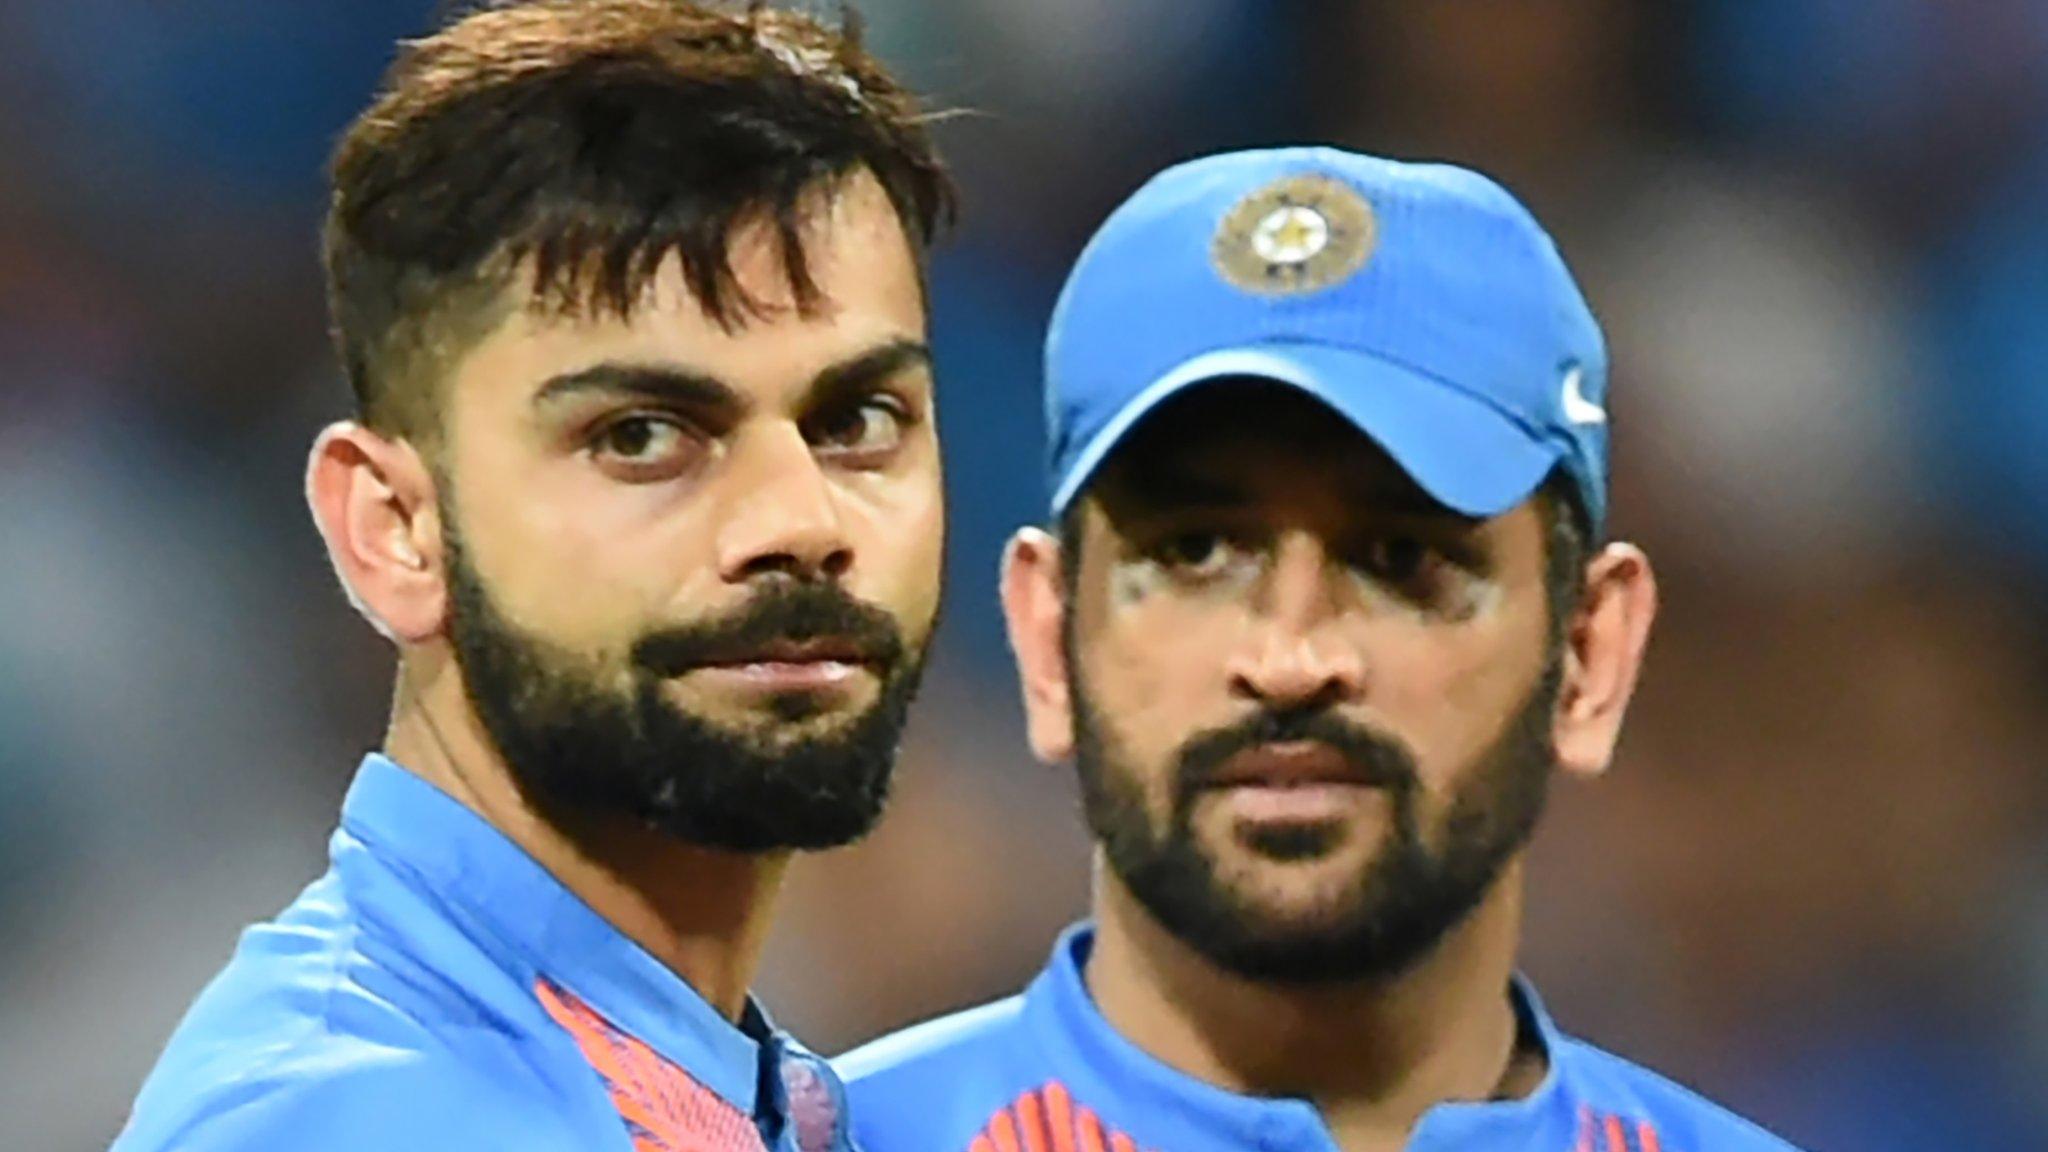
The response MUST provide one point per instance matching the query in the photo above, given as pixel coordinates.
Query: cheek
(1156, 672)
(588, 565)
(1450, 691)
(897, 528)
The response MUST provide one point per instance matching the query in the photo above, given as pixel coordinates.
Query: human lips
(792, 665)
(1294, 782)
(817, 650)
(1293, 764)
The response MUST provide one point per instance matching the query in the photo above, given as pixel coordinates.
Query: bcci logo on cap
(1299, 234)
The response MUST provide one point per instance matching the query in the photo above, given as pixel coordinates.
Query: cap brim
(1466, 454)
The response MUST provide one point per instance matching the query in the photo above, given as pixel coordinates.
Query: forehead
(1256, 442)
(862, 262)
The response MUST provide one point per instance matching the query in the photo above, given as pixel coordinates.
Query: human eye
(1417, 569)
(643, 447)
(1193, 552)
(861, 433)
(1199, 554)
(1399, 560)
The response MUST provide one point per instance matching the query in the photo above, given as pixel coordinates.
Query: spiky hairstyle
(587, 142)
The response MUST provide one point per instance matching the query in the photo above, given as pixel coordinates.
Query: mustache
(783, 614)
(1379, 760)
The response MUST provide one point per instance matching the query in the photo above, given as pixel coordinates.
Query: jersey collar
(1162, 1107)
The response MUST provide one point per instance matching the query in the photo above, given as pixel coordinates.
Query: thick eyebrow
(861, 373)
(683, 387)
(672, 385)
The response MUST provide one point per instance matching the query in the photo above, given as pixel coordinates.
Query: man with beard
(645, 489)
(1328, 605)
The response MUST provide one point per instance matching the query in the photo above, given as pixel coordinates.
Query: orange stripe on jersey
(1059, 1116)
(1035, 1114)
(1617, 1140)
(1585, 1143)
(1647, 1137)
(1089, 1129)
(586, 1028)
(1047, 1119)
(1003, 1130)
(663, 1108)
(1031, 1123)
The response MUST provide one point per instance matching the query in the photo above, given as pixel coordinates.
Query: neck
(704, 914)
(1373, 1054)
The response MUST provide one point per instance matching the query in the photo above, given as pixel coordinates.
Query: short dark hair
(1568, 541)
(593, 139)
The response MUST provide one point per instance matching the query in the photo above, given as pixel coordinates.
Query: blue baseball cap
(1421, 301)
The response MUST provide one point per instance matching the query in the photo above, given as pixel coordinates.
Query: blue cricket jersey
(438, 991)
(1044, 1072)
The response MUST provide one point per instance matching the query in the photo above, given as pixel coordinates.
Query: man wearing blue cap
(1328, 604)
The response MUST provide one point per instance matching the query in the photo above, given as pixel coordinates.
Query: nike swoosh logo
(1577, 408)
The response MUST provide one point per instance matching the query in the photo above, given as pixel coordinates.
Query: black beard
(1394, 912)
(583, 752)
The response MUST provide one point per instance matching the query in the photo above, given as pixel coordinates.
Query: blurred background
(1815, 886)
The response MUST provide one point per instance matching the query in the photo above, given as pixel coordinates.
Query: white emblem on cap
(1291, 234)
(1301, 233)
(1577, 408)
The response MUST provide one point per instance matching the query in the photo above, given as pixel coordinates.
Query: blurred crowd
(1815, 884)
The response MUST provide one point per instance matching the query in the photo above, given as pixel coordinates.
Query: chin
(1292, 897)
(1338, 851)
(1297, 894)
